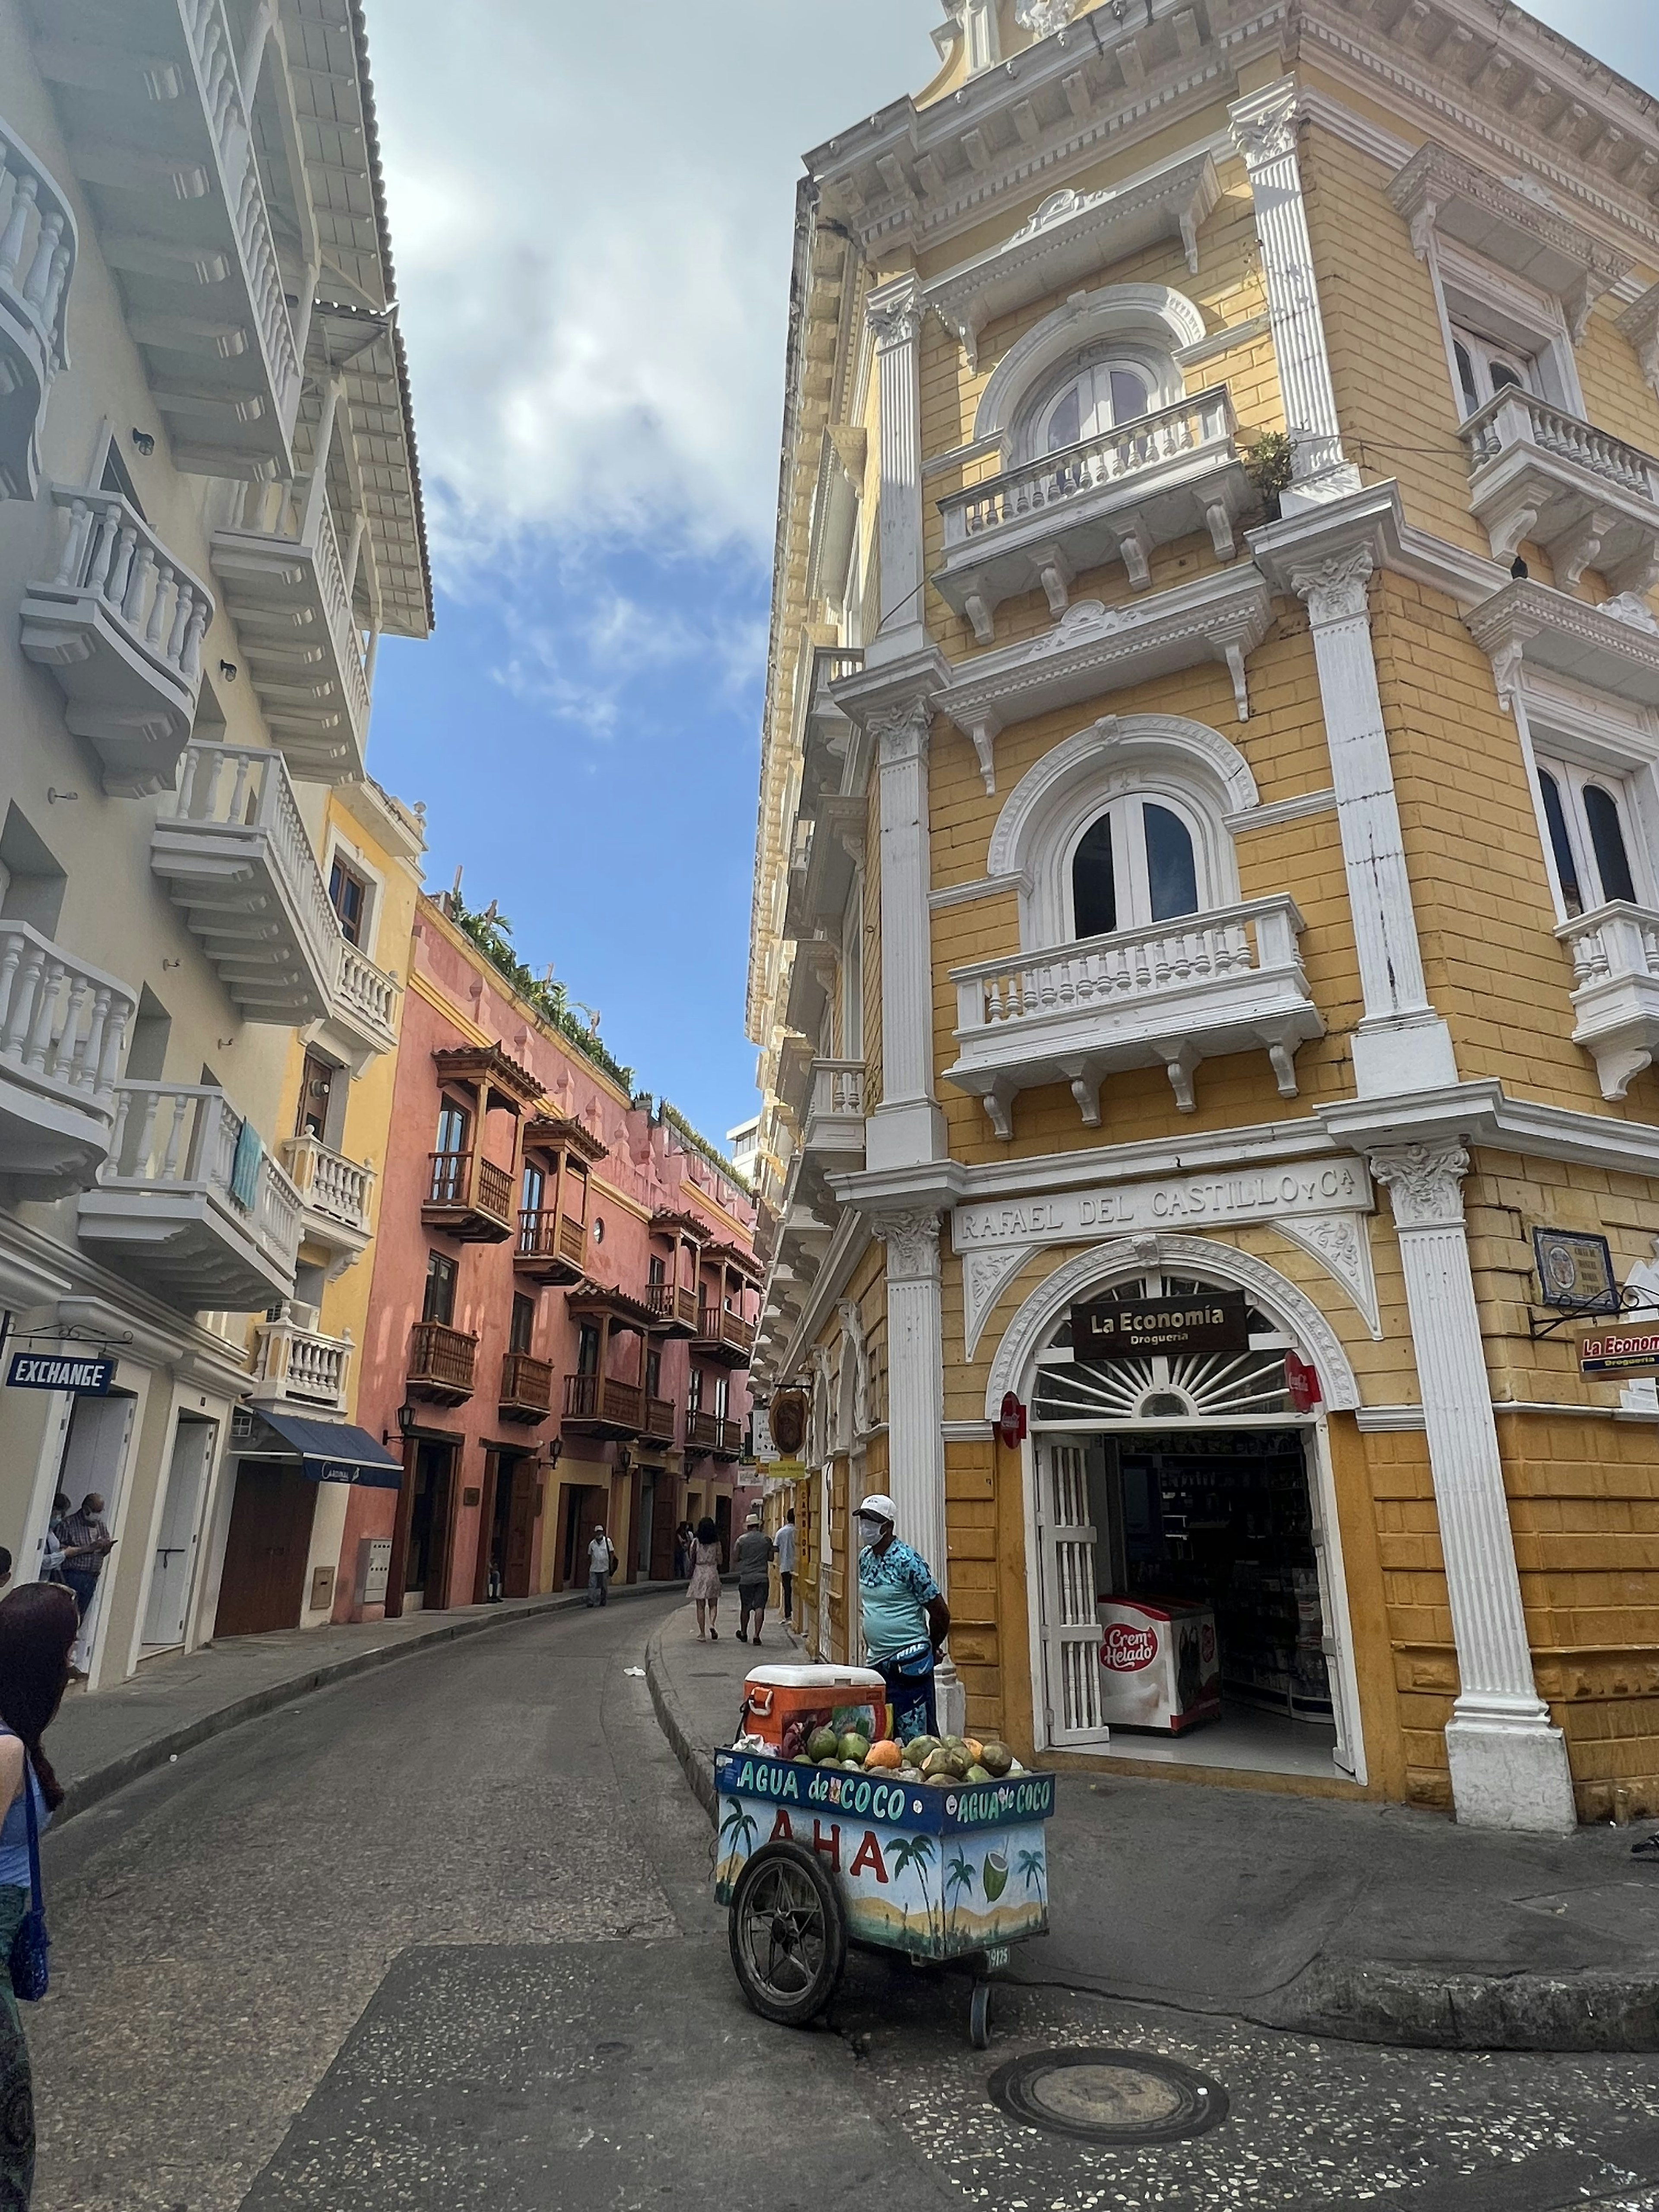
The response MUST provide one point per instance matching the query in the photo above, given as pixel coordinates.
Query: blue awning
(334, 1452)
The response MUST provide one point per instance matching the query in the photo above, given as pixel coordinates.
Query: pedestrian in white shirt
(786, 1541)
(601, 1565)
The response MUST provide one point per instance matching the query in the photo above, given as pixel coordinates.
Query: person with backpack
(39, 1624)
(601, 1565)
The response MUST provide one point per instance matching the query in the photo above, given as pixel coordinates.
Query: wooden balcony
(724, 1336)
(675, 1307)
(658, 1427)
(526, 1388)
(440, 1363)
(551, 1246)
(713, 1435)
(595, 1405)
(469, 1197)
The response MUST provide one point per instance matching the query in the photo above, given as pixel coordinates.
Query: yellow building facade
(1207, 893)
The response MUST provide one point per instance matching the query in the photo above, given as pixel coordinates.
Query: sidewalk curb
(1353, 2002)
(90, 1788)
(666, 1706)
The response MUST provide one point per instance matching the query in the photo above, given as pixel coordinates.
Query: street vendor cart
(810, 1858)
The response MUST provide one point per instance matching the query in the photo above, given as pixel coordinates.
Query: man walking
(906, 1619)
(601, 1565)
(784, 1550)
(751, 1559)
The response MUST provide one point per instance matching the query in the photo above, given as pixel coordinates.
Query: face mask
(869, 1528)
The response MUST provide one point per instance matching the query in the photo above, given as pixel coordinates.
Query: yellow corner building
(1207, 893)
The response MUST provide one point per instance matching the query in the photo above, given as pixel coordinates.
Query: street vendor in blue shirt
(906, 1619)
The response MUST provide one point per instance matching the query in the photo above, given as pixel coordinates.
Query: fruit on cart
(996, 1756)
(973, 1747)
(854, 1748)
(937, 1762)
(822, 1743)
(909, 1774)
(995, 1875)
(917, 1750)
(883, 1754)
(979, 1774)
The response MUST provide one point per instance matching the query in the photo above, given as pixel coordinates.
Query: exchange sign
(38, 1371)
(1129, 1328)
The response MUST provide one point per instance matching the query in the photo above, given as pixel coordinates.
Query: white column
(916, 1405)
(1400, 1044)
(1264, 131)
(895, 313)
(908, 1127)
(1509, 1765)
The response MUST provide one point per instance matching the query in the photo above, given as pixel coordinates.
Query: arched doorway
(1188, 1604)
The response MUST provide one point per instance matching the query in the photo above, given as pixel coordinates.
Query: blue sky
(591, 209)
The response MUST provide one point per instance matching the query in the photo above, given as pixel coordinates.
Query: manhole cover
(1109, 2096)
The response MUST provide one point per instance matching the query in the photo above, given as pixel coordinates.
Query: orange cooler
(779, 1701)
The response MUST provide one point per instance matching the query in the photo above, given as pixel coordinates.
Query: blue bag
(29, 1946)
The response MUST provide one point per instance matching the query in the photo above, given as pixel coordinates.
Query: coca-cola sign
(1126, 1650)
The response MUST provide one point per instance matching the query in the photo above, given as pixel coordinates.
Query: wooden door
(440, 1540)
(264, 1583)
(520, 1529)
(498, 1469)
(662, 1529)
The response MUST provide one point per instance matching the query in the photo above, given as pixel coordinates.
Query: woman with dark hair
(705, 1584)
(39, 1624)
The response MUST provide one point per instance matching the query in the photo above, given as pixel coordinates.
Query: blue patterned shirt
(896, 1588)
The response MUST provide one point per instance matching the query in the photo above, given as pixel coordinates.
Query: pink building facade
(564, 1304)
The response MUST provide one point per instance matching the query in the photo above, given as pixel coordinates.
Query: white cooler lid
(817, 1678)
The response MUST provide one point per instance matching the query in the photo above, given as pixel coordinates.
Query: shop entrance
(1190, 1608)
(262, 1585)
(426, 1562)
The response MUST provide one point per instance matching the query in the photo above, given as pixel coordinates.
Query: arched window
(1586, 814)
(1136, 863)
(1097, 398)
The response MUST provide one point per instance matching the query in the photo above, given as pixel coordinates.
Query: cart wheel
(979, 2016)
(787, 1932)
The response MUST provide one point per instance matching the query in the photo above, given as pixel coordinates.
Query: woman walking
(39, 1624)
(705, 1585)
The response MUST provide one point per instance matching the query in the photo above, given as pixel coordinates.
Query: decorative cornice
(1093, 649)
(1071, 236)
(1613, 649)
(1264, 128)
(1043, 17)
(1424, 1183)
(1481, 1114)
(1517, 224)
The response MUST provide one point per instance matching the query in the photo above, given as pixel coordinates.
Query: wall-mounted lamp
(52, 797)
(227, 669)
(406, 1420)
(624, 1459)
(555, 1451)
(144, 442)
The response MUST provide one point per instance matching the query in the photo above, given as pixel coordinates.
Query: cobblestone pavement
(441, 1937)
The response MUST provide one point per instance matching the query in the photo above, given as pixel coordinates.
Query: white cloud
(591, 209)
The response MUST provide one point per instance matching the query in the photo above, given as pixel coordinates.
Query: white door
(173, 1576)
(1336, 1657)
(1070, 1616)
(95, 1461)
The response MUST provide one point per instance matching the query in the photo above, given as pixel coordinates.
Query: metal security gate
(1070, 1619)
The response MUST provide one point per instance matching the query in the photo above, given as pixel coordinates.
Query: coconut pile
(947, 1760)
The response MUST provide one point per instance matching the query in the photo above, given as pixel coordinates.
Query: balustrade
(440, 1361)
(328, 1183)
(37, 262)
(300, 1363)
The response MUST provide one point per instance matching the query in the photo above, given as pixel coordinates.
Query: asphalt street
(441, 1937)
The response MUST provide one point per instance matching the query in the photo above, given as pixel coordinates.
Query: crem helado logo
(1126, 1651)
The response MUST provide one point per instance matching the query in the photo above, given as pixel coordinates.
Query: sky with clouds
(591, 212)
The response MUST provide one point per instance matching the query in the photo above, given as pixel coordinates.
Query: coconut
(979, 1774)
(822, 1743)
(855, 1747)
(996, 1756)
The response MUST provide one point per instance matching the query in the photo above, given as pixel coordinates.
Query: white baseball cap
(880, 1506)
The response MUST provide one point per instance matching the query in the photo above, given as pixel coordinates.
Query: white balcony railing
(285, 582)
(119, 623)
(236, 857)
(1116, 496)
(190, 1199)
(838, 1091)
(364, 1013)
(37, 263)
(1615, 965)
(301, 1366)
(1177, 993)
(213, 51)
(330, 1186)
(1539, 474)
(62, 1027)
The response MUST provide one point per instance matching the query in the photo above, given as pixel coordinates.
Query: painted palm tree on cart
(917, 1851)
(739, 1833)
